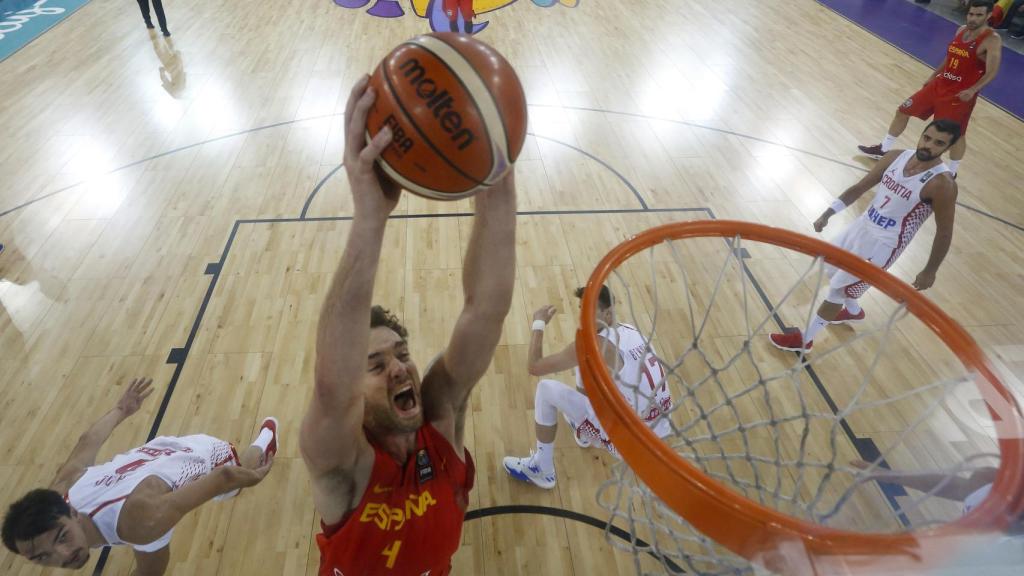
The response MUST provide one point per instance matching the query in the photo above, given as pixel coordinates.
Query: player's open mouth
(76, 561)
(405, 402)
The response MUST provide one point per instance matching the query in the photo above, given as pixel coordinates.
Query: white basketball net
(756, 419)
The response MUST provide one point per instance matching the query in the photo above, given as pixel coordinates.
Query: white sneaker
(526, 469)
(580, 440)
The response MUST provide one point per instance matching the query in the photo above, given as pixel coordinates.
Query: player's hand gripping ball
(457, 113)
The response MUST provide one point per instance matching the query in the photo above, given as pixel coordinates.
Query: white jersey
(897, 211)
(641, 378)
(102, 490)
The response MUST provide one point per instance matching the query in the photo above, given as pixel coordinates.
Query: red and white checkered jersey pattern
(897, 211)
(641, 378)
(103, 489)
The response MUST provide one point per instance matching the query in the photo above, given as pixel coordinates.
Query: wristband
(837, 206)
(539, 325)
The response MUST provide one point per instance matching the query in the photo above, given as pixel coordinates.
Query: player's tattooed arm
(84, 453)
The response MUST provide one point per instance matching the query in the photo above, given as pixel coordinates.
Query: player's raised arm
(487, 281)
(144, 520)
(537, 364)
(331, 434)
(89, 443)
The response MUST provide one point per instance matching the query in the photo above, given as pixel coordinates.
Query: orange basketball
(457, 112)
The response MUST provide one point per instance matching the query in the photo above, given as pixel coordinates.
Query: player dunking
(910, 186)
(972, 61)
(390, 474)
(137, 498)
(639, 374)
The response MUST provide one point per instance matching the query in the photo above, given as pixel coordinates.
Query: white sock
(545, 457)
(887, 142)
(852, 306)
(816, 325)
(263, 440)
(953, 165)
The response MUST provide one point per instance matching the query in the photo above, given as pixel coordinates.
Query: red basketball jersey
(409, 520)
(964, 68)
(452, 7)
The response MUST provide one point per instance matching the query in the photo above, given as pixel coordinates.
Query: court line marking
(568, 515)
(623, 179)
(865, 447)
(1018, 227)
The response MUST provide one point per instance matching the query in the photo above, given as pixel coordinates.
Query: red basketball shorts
(464, 6)
(929, 101)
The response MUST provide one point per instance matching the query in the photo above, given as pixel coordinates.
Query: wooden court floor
(175, 210)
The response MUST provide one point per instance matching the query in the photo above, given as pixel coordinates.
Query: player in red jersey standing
(452, 9)
(972, 61)
(390, 475)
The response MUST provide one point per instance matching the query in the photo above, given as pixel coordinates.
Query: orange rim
(746, 527)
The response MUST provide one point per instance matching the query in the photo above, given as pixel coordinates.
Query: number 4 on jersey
(392, 552)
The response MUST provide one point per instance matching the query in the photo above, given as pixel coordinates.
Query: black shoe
(1, 248)
(922, 1)
(1017, 35)
(166, 32)
(149, 25)
(875, 151)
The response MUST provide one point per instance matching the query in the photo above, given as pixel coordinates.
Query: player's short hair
(988, 5)
(36, 513)
(381, 316)
(604, 299)
(946, 127)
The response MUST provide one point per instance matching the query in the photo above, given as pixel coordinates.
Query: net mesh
(807, 434)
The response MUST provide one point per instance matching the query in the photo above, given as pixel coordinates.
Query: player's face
(391, 384)
(62, 547)
(932, 144)
(976, 17)
(605, 317)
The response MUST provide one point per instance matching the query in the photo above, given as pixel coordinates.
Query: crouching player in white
(135, 499)
(910, 185)
(637, 370)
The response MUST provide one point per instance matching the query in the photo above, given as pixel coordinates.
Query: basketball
(457, 112)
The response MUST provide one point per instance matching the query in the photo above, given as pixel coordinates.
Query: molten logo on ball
(438, 102)
(457, 112)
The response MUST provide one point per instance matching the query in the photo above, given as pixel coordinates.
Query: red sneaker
(270, 423)
(875, 151)
(844, 317)
(791, 341)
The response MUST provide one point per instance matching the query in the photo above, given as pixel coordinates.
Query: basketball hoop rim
(742, 525)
